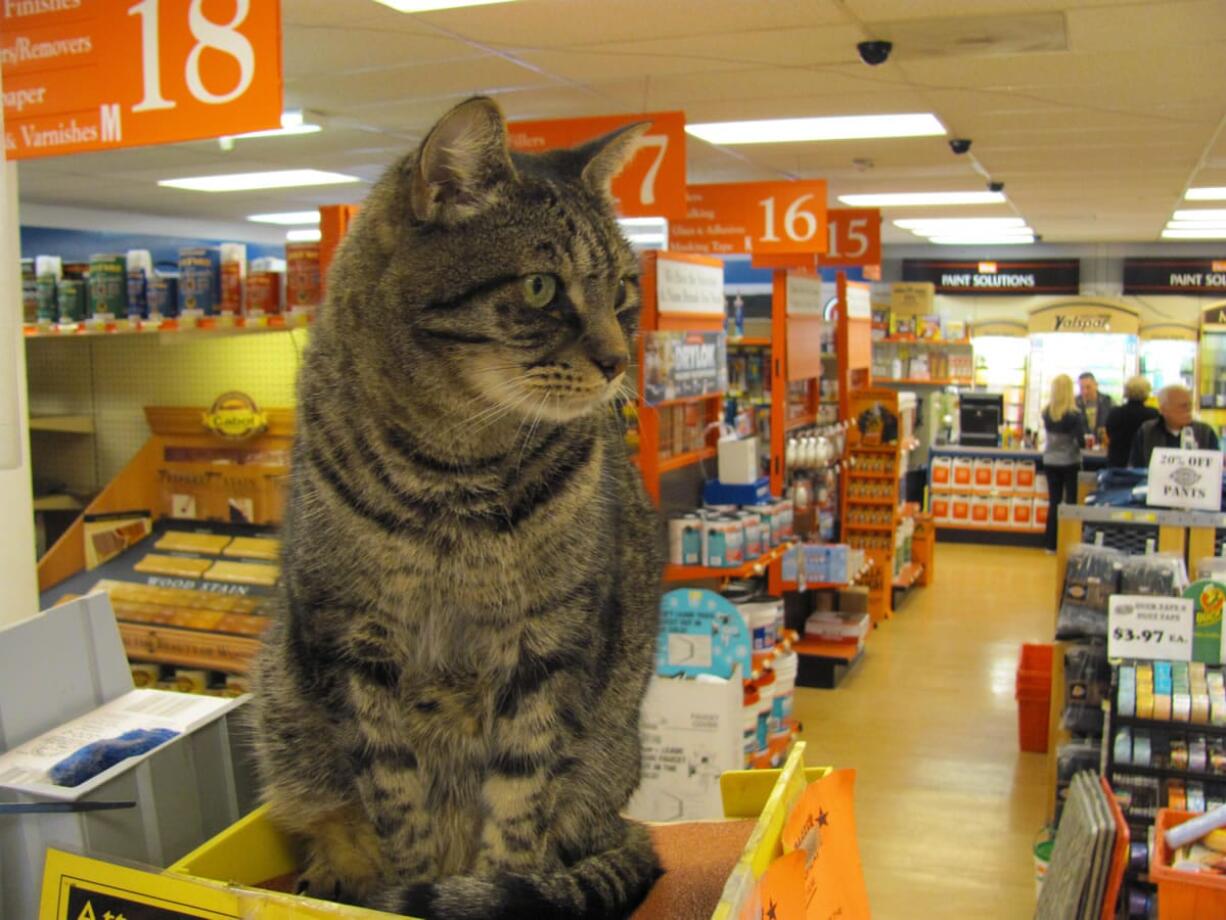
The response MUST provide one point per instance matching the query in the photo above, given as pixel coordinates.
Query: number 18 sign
(1149, 628)
(762, 218)
(84, 75)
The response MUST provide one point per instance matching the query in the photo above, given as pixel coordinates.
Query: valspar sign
(1085, 315)
(1190, 479)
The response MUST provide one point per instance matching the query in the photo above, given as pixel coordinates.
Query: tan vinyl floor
(946, 806)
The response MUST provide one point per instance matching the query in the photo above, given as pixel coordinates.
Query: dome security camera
(996, 186)
(960, 145)
(874, 52)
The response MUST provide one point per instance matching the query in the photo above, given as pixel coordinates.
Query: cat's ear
(605, 156)
(463, 164)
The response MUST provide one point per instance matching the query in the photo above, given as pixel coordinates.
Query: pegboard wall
(113, 378)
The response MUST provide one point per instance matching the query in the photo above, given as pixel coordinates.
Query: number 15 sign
(762, 218)
(82, 75)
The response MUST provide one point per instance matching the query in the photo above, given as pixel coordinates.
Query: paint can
(199, 279)
(108, 285)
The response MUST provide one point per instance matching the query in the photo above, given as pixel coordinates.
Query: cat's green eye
(624, 286)
(539, 290)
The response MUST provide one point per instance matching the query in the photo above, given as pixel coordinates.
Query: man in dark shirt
(1123, 421)
(1092, 404)
(1175, 406)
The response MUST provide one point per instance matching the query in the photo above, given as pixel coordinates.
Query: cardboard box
(942, 474)
(983, 475)
(853, 600)
(913, 297)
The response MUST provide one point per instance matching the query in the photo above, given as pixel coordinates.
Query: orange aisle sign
(762, 218)
(652, 184)
(82, 75)
(855, 237)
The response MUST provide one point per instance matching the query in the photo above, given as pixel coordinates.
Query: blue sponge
(97, 756)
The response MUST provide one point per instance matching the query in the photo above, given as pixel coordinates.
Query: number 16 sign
(762, 218)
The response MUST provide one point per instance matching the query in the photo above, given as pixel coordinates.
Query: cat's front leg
(515, 835)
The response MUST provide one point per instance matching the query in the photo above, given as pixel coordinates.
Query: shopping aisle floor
(946, 806)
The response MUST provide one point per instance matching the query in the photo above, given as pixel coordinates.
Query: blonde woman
(1123, 421)
(1066, 430)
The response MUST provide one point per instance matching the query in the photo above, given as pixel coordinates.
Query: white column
(18, 580)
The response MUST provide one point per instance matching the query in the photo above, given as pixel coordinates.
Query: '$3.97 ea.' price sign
(1150, 628)
(83, 75)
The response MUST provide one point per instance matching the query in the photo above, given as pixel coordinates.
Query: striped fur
(447, 705)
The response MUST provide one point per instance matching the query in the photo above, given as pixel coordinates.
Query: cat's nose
(612, 365)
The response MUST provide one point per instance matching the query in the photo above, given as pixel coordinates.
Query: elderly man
(1175, 408)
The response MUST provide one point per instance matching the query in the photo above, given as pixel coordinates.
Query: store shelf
(65, 424)
(57, 503)
(909, 575)
(931, 381)
(1191, 728)
(684, 401)
(703, 573)
(188, 647)
(749, 342)
(844, 651)
(861, 474)
(668, 464)
(883, 502)
(932, 343)
(876, 528)
(1168, 772)
(990, 528)
(801, 421)
(209, 327)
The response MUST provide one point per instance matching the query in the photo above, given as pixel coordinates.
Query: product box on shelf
(1002, 510)
(825, 563)
(835, 626)
(738, 461)
(715, 492)
(942, 474)
(1005, 472)
(1024, 477)
(960, 510)
(1040, 512)
(981, 510)
(982, 476)
(1023, 512)
(963, 473)
(941, 507)
(912, 297)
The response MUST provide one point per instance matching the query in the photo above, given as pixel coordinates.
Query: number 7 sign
(652, 184)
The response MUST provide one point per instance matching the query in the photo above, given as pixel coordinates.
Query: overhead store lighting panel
(837, 128)
(1208, 193)
(304, 235)
(921, 199)
(426, 6)
(983, 239)
(1204, 234)
(927, 226)
(1205, 214)
(290, 218)
(246, 182)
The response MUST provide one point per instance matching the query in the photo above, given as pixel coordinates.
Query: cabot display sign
(677, 365)
(1189, 479)
(1174, 276)
(1042, 276)
(83, 75)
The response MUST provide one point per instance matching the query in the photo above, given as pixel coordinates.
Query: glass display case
(1168, 361)
(1000, 367)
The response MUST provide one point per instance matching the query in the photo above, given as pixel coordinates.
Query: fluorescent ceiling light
(934, 224)
(304, 235)
(975, 231)
(982, 239)
(291, 218)
(837, 128)
(246, 182)
(1208, 193)
(1195, 224)
(1200, 214)
(915, 199)
(1206, 234)
(425, 6)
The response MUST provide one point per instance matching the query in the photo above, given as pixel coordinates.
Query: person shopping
(1066, 431)
(1175, 408)
(1123, 421)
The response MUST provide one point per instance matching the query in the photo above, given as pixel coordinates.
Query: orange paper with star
(780, 892)
(822, 826)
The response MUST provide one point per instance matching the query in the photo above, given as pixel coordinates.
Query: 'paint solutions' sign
(1175, 276)
(1043, 276)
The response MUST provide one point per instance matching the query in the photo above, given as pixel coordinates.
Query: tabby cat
(447, 705)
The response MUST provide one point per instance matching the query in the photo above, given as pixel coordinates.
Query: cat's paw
(319, 881)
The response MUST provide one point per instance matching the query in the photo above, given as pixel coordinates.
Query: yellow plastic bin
(253, 850)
